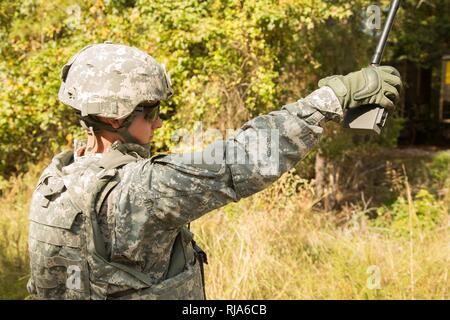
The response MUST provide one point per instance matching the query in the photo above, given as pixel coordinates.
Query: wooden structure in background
(444, 100)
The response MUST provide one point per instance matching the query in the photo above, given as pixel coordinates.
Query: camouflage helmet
(110, 80)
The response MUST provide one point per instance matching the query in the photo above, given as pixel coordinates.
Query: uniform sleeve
(186, 186)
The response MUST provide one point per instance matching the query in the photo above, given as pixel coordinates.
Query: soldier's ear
(115, 123)
(112, 122)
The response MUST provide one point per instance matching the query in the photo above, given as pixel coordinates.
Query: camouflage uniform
(109, 226)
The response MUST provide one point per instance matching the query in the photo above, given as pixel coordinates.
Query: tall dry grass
(14, 262)
(275, 246)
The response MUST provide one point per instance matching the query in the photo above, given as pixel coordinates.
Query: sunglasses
(151, 112)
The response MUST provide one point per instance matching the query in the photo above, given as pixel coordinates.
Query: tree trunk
(327, 181)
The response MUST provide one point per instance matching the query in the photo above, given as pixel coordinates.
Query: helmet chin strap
(89, 148)
(94, 126)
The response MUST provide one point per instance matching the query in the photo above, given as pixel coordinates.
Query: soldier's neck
(100, 142)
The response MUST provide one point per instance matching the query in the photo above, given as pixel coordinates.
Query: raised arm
(186, 186)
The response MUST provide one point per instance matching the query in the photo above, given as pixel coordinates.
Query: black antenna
(376, 59)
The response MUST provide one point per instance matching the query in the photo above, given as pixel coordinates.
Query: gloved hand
(370, 85)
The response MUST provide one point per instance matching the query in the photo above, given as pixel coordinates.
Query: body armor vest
(67, 252)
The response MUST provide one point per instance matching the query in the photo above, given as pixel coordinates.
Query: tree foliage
(229, 59)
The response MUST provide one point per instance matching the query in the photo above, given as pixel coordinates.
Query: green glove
(370, 85)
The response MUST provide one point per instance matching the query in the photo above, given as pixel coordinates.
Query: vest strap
(105, 182)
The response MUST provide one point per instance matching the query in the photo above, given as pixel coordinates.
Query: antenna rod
(376, 59)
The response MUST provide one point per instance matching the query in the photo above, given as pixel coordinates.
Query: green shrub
(440, 168)
(229, 60)
(427, 213)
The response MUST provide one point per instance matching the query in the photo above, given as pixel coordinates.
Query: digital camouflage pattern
(110, 80)
(140, 208)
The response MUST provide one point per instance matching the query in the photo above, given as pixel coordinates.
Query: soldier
(108, 221)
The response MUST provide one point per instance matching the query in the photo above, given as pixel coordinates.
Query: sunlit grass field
(274, 246)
